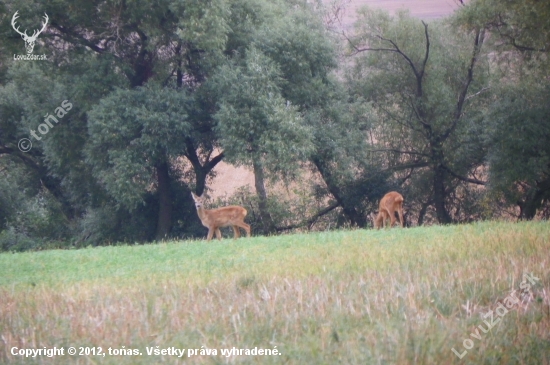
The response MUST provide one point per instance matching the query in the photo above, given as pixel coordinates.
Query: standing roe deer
(389, 204)
(232, 215)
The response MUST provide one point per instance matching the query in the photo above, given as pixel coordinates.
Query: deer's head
(199, 200)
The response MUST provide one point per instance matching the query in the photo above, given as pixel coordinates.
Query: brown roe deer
(214, 219)
(389, 204)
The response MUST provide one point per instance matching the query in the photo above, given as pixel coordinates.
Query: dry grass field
(400, 296)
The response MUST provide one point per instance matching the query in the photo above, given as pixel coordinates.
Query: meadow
(399, 296)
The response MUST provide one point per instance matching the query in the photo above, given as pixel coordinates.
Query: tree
(291, 36)
(306, 53)
(25, 97)
(152, 87)
(94, 47)
(133, 135)
(516, 122)
(518, 131)
(421, 81)
(521, 24)
(353, 177)
(257, 126)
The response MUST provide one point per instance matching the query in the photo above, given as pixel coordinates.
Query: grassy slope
(354, 297)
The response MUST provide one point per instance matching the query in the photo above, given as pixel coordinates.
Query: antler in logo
(29, 41)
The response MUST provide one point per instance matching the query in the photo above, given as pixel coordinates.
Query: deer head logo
(29, 41)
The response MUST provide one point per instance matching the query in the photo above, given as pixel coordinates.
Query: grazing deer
(389, 204)
(232, 215)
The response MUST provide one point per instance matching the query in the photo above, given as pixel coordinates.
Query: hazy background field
(424, 9)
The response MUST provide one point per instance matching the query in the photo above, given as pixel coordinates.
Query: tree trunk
(164, 223)
(200, 180)
(422, 213)
(201, 171)
(355, 218)
(534, 199)
(442, 214)
(259, 183)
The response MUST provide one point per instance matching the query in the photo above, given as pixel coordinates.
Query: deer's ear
(194, 196)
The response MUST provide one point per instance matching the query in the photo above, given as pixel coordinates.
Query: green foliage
(351, 173)
(516, 122)
(158, 90)
(108, 225)
(522, 24)
(255, 121)
(518, 131)
(30, 217)
(203, 22)
(100, 162)
(35, 210)
(520, 128)
(425, 85)
(131, 132)
(304, 51)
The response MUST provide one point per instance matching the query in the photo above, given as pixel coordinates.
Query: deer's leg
(392, 219)
(210, 234)
(388, 218)
(379, 221)
(246, 227)
(400, 211)
(236, 231)
(218, 234)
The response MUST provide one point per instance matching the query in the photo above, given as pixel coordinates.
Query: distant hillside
(424, 9)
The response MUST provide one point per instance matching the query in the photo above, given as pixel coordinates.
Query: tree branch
(399, 151)
(462, 178)
(426, 56)
(191, 154)
(395, 49)
(27, 159)
(412, 165)
(503, 24)
(213, 162)
(77, 38)
(479, 92)
(427, 126)
(309, 222)
(480, 36)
